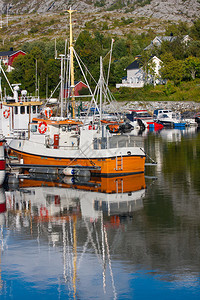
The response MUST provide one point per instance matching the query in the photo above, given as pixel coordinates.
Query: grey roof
(8, 53)
(161, 39)
(136, 64)
(166, 38)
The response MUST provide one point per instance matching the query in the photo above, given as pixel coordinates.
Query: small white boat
(168, 118)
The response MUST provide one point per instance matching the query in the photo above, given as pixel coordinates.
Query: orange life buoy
(43, 211)
(6, 113)
(48, 112)
(42, 128)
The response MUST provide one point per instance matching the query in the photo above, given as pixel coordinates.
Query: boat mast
(101, 80)
(71, 63)
(61, 88)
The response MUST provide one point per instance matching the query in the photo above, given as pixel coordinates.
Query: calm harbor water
(136, 237)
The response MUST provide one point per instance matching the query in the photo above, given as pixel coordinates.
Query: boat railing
(20, 134)
(116, 142)
(28, 99)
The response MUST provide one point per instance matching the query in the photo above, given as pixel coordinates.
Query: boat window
(16, 110)
(33, 128)
(34, 109)
(22, 110)
(38, 109)
(28, 109)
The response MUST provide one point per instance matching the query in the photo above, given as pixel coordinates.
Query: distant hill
(46, 19)
(184, 10)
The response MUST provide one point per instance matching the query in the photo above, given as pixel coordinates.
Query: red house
(78, 85)
(7, 57)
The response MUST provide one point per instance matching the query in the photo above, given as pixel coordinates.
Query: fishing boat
(168, 118)
(67, 144)
(142, 119)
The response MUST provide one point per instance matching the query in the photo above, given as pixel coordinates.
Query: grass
(186, 91)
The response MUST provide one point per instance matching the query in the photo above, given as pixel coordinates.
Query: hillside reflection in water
(96, 238)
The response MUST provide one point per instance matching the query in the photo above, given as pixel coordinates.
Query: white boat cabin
(17, 112)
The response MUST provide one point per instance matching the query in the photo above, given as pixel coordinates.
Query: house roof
(136, 64)
(10, 52)
(75, 84)
(165, 38)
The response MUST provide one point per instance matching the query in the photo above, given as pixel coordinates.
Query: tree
(172, 69)
(118, 69)
(181, 29)
(193, 48)
(195, 30)
(88, 48)
(119, 49)
(144, 63)
(192, 66)
(53, 73)
(152, 71)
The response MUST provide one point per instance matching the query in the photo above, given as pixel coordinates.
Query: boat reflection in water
(76, 215)
(117, 195)
(2, 206)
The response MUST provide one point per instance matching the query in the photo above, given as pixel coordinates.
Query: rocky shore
(150, 106)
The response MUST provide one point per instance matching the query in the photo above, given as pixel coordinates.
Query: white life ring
(48, 112)
(42, 128)
(6, 113)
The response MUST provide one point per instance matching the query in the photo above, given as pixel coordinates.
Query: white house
(136, 76)
(157, 41)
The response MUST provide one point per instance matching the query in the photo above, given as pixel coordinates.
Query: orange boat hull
(104, 166)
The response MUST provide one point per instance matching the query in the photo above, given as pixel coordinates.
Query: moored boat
(168, 118)
(142, 119)
(68, 145)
